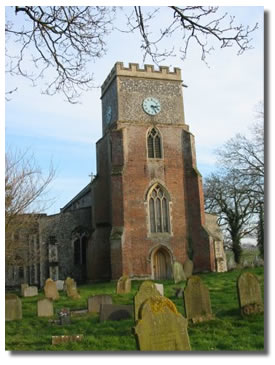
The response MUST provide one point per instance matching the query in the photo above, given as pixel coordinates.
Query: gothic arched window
(154, 144)
(159, 210)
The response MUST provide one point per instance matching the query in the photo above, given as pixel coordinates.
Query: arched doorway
(161, 265)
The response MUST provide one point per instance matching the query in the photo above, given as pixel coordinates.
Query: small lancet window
(158, 210)
(154, 144)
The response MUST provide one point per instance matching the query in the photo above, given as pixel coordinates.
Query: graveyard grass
(227, 332)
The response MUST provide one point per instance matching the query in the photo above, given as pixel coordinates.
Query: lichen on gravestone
(146, 290)
(249, 294)
(161, 327)
(197, 300)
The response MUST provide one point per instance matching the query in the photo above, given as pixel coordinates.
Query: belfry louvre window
(158, 210)
(154, 144)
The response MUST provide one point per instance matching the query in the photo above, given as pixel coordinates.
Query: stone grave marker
(188, 268)
(113, 312)
(197, 300)
(160, 288)
(56, 340)
(123, 285)
(249, 294)
(146, 290)
(45, 308)
(30, 291)
(178, 272)
(13, 307)
(23, 286)
(50, 290)
(59, 284)
(95, 301)
(161, 327)
(71, 288)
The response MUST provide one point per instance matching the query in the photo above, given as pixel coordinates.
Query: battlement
(163, 73)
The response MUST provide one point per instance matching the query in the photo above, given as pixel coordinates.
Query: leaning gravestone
(113, 312)
(45, 308)
(50, 290)
(197, 300)
(23, 286)
(30, 291)
(162, 327)
(146, 290)
(178, 272)
(13, 307)
(95, 301)
(71, 288)
(249, 294)
(123, 285)
(188, 268)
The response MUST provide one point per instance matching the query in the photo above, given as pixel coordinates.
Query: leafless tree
(228, 196)
(245, 155)
(236, 192)
(67, 39)
(25, 199)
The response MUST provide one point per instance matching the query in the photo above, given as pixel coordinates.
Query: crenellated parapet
(134, 70)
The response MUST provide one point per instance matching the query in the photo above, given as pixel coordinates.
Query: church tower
(148, 206)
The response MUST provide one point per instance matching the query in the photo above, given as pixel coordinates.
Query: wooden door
(160, 265)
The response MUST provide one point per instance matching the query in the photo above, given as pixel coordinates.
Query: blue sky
(219, 102)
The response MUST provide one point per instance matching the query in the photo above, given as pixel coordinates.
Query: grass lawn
(228, 332)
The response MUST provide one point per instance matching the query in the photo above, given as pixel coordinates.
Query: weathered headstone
(23, 286)
(162, 327)
(30, 291)
(146, 290)
(123, 285)
(60, 285)
(188, 268)
(45, 308)
(160, 288)
(178, 272)
(249, 294)
(197, 300)
(71, 288)
(56, 340)
(13, 307)
(95, 301)
(50, 290)
(112, 312)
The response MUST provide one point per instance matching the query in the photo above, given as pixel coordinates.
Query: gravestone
(160, 288)
(178, 272)
(146, 290)
(188, 268)
(161, 327)
(249, 294)
(123, 285)
(30, 291)
(13, 307)
(112, 312)
(23, 286)
(50, 290)
(71, 288)
(197, 300)
(95, 301)
(59, 284)
(45, 308)
(56, 340)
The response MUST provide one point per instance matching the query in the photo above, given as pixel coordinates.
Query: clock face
(108, 114)
(151, 106)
